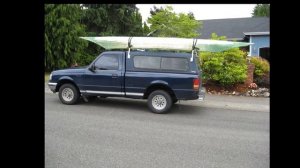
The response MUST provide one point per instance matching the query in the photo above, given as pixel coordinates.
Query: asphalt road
(222, 132)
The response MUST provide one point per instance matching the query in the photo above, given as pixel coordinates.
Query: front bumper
(201, 94)
(52, 86)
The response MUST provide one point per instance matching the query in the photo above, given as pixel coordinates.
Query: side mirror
(92, 68)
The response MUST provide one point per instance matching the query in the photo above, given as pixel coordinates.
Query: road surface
(222, 132)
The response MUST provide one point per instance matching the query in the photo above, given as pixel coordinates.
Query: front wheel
(159, 101)
(68, 94)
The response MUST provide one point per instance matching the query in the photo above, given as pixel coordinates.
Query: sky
(205, 11)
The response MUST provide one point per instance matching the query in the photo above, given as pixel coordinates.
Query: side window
(178, 64)
(107, 62)
(146, 62)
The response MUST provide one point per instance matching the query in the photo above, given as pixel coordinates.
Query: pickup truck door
(107, 77)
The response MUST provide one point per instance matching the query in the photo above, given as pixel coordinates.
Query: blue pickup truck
(162, 78)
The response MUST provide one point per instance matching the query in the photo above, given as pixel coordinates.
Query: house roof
(257, 33)
(235, 28)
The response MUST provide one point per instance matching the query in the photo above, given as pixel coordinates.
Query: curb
(237, 106)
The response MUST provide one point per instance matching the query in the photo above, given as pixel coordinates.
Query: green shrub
(261, 71)
(226, 68)
(262, 66)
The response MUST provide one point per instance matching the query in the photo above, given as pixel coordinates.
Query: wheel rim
(159, 102)
(67, 94)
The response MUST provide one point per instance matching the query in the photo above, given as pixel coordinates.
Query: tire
(159, 101)
(68, 94)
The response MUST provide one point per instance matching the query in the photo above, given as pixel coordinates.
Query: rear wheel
(159, 101)
(68, 94)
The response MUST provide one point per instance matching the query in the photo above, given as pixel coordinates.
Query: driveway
(222, 132)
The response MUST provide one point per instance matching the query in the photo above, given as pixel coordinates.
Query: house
(255, 30)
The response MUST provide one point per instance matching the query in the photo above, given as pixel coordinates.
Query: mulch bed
(238, 90)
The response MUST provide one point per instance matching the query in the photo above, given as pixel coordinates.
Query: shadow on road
(139, 105)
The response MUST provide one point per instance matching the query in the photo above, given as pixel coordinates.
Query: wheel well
(64, 81)
(159, 87)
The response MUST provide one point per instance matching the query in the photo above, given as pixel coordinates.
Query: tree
(191, 15)
(155, 10)
(110, 20)
(226, 68)
(261, 10)
(63, 46)
(169, 24)
(113, 19)
(146, 29)
(214, 36)
(65, 23)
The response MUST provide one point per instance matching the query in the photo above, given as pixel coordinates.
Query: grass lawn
(47, 76)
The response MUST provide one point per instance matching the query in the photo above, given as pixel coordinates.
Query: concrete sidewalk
(261, 104)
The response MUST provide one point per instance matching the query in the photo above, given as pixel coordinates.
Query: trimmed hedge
(261, 71)
(226, 68)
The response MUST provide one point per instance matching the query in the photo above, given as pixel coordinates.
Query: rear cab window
(161, 63)
(146, 62)
(179, 64)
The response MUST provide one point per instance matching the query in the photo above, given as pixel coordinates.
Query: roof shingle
(234, 28)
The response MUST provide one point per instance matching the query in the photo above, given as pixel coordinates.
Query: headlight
(50, 77)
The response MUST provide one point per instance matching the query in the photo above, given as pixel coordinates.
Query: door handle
(114, 75)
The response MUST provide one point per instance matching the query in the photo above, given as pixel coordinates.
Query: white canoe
(164, 43)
